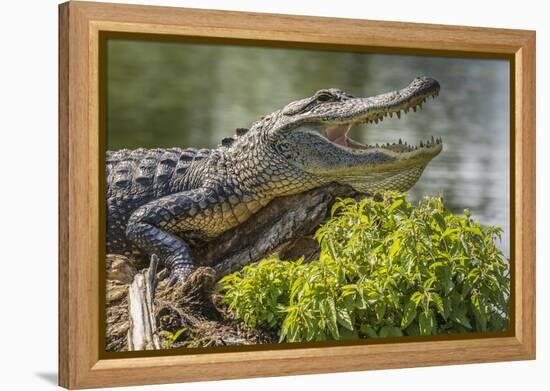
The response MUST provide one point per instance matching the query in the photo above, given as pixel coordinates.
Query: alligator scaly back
(148, 170)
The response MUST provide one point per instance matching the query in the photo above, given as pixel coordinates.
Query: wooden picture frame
(81, 25)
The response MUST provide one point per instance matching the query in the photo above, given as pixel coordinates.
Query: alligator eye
(324, 97)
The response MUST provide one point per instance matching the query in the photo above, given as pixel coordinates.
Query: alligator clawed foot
(179, 276)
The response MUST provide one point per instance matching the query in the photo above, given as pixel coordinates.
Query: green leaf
(347, 335)
(409, 314)
(178, 333)
(368, 331)
(413, 330)
(335, 207)
(344, 319)
(395, 205)
(394, 247)
(436, 265)
(330, 248)
(459, 316)
(446, 280)
(448, 232)
(479, 312)
(390, 331)
(440, 220)
(438, 301)
(330, 310)
(429, 282)
(167, 334)
(417, 298)
(426, 322)
(474, 230)
(380, 309)
(310, 328)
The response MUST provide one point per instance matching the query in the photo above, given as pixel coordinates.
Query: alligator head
(310, 138)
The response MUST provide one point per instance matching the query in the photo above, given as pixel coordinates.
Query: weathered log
(142, 333)
(285, 226)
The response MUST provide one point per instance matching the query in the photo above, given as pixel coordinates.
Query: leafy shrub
(386, 268)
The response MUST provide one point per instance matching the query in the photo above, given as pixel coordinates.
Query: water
(175, 94)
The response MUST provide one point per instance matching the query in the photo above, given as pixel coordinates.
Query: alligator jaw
(338, 135)
(397, 102)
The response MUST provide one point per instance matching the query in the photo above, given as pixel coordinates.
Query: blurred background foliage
(164, 94)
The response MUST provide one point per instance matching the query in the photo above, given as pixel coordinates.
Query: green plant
(386, 268)
(170, 338)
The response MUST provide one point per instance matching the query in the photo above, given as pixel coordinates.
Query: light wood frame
(80, 364)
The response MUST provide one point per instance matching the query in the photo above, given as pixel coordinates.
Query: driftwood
(284, 227)
(142, 331)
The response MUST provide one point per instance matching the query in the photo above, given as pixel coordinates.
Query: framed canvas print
(248, 195)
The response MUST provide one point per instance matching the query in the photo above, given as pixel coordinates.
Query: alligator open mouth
(395, 103)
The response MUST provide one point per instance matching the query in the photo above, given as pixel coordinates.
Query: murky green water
(172, 94)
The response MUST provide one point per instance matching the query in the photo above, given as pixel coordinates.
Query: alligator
(161, 201)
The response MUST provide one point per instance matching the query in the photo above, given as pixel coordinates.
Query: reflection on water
(173, 94)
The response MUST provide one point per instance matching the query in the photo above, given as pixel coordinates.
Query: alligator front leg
(153, 228)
